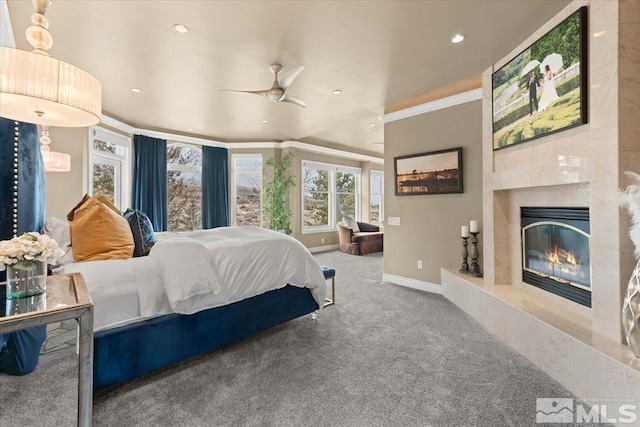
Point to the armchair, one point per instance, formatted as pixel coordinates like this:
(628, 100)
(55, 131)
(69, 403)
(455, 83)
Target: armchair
(367, 240)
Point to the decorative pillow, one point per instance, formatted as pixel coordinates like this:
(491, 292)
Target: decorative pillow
(97, 232)
(142, 230)
(86, 197)
(58, 230)
(351, 223)
(75, 208)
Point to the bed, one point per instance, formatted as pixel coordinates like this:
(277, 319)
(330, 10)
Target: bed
(195, 291)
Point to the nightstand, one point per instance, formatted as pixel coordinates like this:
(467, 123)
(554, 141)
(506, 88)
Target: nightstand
(66, 298)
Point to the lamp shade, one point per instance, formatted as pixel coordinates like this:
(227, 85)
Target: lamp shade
(39, 89)
(56, 162)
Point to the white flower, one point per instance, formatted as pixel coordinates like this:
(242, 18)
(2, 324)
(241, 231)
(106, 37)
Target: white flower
(30, 247)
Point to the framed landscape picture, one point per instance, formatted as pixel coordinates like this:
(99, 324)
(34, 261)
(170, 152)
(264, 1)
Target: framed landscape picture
(544, 89)
(437, 172)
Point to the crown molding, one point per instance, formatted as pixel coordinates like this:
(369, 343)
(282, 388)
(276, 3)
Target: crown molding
(258, 144)
(439, 104)
(331, 151)
(181, 138)
(117, 124)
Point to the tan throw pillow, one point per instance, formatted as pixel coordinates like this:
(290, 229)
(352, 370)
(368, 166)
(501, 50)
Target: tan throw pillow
(103, 199)
(97, 232)
(76, 207)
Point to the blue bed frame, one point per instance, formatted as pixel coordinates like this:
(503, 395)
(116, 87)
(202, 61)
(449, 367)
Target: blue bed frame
(127, 352)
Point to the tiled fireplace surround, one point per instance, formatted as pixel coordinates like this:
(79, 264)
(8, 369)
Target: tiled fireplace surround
(582, 167)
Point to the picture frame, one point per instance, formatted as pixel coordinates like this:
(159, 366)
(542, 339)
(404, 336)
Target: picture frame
(434, 172)
(543, 90)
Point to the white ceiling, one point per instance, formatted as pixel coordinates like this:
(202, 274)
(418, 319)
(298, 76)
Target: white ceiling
(377, 52)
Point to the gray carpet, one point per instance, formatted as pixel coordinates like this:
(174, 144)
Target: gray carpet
(384, 355)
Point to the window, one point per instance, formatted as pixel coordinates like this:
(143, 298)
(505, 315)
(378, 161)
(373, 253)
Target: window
(184, 187)
(247, 189)
(376, 197)
(329, 192)
(345, 195)
(109, 165)
(315, 197)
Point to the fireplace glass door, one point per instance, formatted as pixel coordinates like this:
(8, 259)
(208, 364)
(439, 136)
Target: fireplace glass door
(558, 251)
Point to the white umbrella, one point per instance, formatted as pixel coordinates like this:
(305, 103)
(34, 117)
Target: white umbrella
(530, 66)
(554, 61)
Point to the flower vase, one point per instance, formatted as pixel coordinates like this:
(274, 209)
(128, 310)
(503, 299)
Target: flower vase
(26, 279)
(631, 311)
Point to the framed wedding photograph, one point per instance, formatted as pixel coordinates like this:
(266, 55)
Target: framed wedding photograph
(436, 172)
(543, 90)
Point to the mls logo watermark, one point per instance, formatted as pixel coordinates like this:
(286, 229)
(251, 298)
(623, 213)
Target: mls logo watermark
(554, 410)
(586, 410)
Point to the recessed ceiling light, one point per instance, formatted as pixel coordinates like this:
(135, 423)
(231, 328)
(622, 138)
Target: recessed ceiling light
(136, 90)
(372, 124)
(599, 33)
(190, 128)
(337, 92)
(457, 38)
(265, 121)
(181, 28)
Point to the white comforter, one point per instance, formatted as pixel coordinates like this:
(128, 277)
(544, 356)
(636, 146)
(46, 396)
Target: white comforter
(193, 271)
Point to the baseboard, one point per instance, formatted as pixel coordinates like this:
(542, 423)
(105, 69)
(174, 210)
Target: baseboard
(326, 248)
(412, 283)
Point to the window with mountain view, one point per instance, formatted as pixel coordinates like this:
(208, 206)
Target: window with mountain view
(184, 187)
(247, 189)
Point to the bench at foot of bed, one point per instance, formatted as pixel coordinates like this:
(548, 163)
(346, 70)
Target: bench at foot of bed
(127, 352)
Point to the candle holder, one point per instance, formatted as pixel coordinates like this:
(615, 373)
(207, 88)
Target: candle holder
(464, 269)
(474, 268)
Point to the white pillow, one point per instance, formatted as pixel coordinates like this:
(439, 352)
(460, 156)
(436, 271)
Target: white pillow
(58, 230)
(351, 223)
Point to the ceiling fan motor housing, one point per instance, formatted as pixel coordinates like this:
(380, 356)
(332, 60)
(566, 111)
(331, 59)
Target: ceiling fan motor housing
(275, 94)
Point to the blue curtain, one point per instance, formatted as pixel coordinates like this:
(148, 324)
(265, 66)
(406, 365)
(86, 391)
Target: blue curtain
(215, 187)
(19, 351)
(150, 179)
(31, 185)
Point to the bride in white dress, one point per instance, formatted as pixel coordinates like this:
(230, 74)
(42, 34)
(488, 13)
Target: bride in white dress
(549, 93)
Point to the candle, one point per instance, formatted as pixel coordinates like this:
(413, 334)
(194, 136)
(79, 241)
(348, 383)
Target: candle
(473, 226)
(465, 231)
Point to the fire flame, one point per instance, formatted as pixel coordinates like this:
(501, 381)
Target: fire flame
(560, 256)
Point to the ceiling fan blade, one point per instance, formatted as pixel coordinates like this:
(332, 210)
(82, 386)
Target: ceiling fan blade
(254, 92)
(293, 100)
(287, 78)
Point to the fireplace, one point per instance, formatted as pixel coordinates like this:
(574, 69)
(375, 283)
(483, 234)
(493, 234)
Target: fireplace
(555, 251)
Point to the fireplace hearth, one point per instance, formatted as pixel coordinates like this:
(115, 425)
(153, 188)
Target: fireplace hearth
(556, 251)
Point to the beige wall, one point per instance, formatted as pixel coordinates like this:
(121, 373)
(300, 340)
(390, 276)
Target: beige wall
(65, 189)
(430, 224)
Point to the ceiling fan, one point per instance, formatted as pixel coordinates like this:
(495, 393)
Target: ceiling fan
(277, 93)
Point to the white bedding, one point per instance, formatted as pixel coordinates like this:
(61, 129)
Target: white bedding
(193, 271)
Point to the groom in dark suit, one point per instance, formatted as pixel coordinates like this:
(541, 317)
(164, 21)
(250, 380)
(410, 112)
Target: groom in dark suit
(534, 84)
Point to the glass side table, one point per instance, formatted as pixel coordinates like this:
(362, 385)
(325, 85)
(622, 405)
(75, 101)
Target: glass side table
(66, 298)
